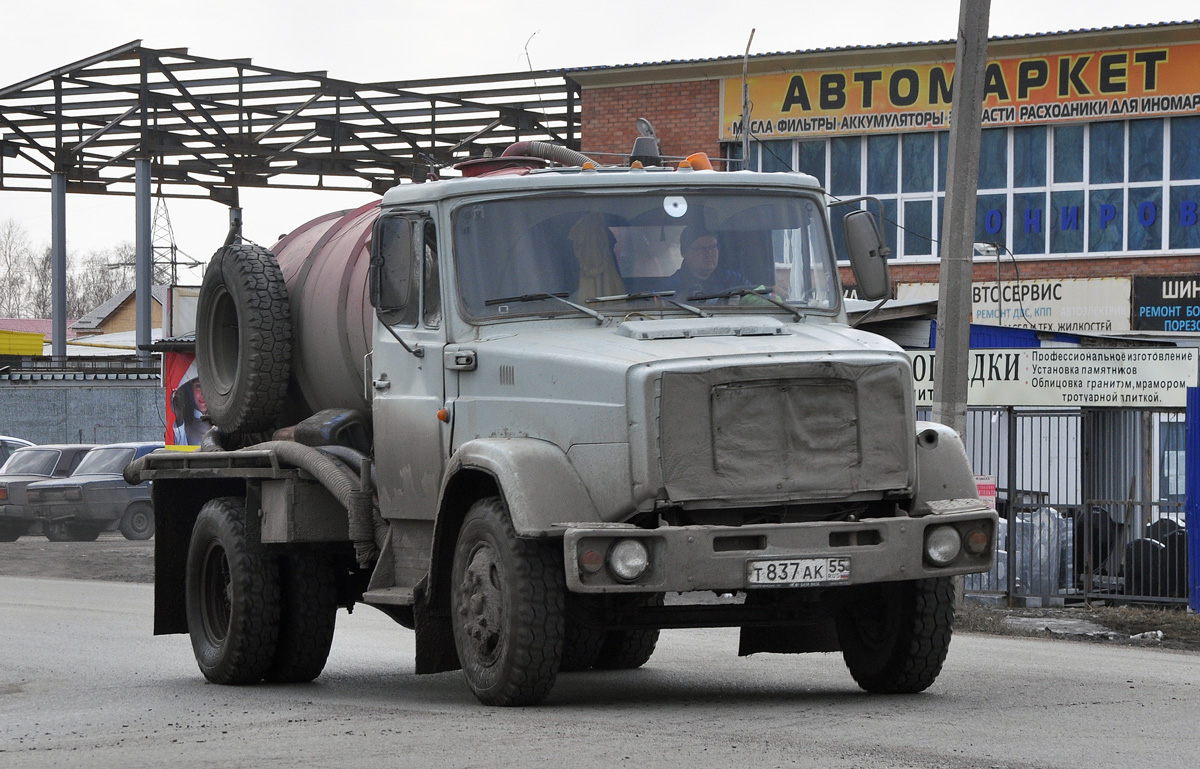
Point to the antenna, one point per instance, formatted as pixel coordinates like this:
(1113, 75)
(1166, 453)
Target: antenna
(746, 105)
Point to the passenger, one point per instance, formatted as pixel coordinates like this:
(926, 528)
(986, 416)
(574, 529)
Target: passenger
(700, 273)
(592, 244)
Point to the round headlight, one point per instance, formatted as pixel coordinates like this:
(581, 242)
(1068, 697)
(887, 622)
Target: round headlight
(976, 541)
(628, 560)
(942, 545)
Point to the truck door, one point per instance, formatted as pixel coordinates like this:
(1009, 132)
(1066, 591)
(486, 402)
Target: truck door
(407, 377)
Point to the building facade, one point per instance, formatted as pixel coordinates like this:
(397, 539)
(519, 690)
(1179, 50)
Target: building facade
(1088, 214)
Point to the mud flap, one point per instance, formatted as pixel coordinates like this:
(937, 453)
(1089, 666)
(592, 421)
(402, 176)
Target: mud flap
(435, 638)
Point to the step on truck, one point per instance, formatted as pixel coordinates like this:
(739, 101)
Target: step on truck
(543, 410)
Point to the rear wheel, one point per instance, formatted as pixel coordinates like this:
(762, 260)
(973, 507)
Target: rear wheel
(629, 649)
(71, 531)
(308, 609)
(895, 635)
(232, 593)
(138, 521)
(507, 606)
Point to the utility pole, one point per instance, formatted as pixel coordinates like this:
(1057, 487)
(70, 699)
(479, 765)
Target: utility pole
(952, 353)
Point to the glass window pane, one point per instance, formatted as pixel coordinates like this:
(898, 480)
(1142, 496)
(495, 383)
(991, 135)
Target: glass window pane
(1068, 154)
(1185, 148)
(1145, 218)
(733, 151)
(882, 154)
(1106, 153)
(1029, 223)
(941, 217)
(993, 159)
(812, 159)
(1185, 213)
(1029, 156)
(845, 170)
(917, 172)
(777, 155)
(836, 214)
(1066, 222)
(990, 211)
(890, 223)
(1145, 150)
(943, 140)
(918, 227)
(1105, 220)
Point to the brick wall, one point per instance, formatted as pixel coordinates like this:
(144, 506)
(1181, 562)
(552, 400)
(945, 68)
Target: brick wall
(686, 117)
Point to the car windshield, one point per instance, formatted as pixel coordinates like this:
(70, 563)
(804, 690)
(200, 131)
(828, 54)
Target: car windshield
(30, 462)
(105, 460)
(630, 249)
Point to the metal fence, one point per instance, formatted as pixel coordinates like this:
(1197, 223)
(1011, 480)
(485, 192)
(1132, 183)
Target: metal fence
(1091, 503)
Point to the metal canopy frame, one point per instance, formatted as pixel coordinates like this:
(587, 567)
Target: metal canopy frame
(210, 126)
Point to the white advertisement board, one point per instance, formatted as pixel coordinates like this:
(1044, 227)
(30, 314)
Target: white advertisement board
(1057, 376)
(1067, 305)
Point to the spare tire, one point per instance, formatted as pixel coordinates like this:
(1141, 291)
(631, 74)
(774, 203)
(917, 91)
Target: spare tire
(243, 339)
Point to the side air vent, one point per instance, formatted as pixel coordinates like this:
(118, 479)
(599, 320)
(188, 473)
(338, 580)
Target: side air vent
(508, 375)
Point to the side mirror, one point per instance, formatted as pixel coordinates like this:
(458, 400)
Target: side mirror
(390, 274)
(868, 254)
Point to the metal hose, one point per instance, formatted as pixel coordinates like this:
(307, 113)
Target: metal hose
(547, 151)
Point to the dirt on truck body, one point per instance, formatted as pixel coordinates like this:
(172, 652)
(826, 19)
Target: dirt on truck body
(514, 410)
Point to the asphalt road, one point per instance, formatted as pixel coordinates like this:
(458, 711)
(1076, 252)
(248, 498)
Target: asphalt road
(83, 683)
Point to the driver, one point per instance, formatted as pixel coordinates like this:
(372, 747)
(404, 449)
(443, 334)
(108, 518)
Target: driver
(699, 273)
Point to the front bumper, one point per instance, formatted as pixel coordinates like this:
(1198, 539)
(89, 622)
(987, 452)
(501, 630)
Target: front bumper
(685, 558)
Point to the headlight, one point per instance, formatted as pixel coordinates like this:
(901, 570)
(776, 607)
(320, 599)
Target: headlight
(942, 545)
(976, 541)
(628, 559)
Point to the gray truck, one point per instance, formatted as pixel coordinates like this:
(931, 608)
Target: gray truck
(543, 410)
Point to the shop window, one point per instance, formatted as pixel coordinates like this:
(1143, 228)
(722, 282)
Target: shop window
(917, 166)
(1106, 153)
(891, 218)
(1068, 154)
(990, 213)
(1029, 156)
(1105, 220)
(1145, 150)
(1065, 221)
(1185, 139)
(845, 167)
(882, 156)
(993, 159)
(918, 227)
(776, 156)
(1029, 223)
(836, 214)
(1185, 216)
(1144, 219)
(943, 142)
(812, 159)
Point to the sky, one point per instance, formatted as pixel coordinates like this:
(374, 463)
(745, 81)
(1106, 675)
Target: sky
(401, 40)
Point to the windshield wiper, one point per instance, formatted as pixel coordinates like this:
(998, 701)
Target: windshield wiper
(545, 295)
(761, 291)
(652, 295)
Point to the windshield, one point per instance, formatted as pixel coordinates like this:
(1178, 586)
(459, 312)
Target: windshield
(515, 256)
(110, 460)
(30, 462)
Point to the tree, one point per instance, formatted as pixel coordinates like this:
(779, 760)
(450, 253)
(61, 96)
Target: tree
(16, 256)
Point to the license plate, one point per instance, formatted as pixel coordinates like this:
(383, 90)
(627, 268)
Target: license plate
(798, 571)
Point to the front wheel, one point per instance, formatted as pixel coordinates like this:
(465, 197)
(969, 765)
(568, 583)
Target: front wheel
(232, 592)
(507, 607)
(895, 635)
(138, 522)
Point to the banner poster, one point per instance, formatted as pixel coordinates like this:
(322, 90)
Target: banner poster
(1064, 305)
(1074, 86)
(1123, 377)
(186, 409)
(1166, 303)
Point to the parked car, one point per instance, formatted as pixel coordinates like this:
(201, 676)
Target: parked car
(95, 497)
(28, 465)
(8, 445)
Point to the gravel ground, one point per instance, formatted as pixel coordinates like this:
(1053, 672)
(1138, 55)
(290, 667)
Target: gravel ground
(116, 559)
